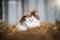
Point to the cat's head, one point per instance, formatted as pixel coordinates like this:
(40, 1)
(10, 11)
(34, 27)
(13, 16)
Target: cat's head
(33, 13)
(32, 19)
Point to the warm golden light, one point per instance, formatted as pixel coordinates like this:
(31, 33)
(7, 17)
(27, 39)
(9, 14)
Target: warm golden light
(58, 2)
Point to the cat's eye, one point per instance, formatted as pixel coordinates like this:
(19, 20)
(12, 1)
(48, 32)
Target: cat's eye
(31, 19)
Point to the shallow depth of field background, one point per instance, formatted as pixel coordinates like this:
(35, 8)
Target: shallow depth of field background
(12, 10)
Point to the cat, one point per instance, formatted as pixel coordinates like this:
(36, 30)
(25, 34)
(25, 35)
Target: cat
(30, 20)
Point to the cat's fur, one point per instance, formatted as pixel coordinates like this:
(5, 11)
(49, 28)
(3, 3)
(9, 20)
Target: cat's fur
(21, 25)
(29, 21)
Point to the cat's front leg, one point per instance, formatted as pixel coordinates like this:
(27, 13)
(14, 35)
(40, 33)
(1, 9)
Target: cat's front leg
(21, 27)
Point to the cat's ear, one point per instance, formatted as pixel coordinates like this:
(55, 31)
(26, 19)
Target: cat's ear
(37, 15)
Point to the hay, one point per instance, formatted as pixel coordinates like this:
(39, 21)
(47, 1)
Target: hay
(45, 32)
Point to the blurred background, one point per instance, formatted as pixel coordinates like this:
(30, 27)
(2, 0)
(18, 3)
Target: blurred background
(12, 10)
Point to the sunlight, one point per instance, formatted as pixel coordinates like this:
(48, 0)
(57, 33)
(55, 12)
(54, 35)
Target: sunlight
(58, 2)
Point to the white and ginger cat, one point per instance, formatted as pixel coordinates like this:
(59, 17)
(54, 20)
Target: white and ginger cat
(31, 20)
